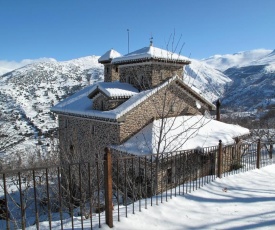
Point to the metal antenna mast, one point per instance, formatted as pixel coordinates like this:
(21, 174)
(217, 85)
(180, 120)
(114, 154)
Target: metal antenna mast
(128, 39)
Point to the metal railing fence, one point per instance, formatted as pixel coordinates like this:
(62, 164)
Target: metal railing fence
(75, 195)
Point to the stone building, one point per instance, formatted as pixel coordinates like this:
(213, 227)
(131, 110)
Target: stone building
(138, 88)
(143, 107)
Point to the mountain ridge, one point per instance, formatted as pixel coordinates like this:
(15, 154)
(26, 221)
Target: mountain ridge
(240, 59)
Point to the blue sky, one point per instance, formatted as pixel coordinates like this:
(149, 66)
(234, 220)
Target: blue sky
(67, 29)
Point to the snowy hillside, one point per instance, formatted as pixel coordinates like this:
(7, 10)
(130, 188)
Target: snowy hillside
(253, 87)
(28, 93)
(8, 66)
(253, 79)
(4, 70)
(210, 81)
(223, 62)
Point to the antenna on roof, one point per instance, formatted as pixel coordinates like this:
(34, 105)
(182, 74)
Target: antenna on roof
(151, 40)
(128, 39)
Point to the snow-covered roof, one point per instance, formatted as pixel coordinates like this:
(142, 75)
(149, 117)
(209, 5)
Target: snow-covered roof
(79, 103)
(109, 55)
(182, 133)
(151, 52)
(113, 89)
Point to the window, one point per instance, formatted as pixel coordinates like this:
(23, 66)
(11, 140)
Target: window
(116, 69)
(107, 69)
(172, 108)
(169, 176)
(66, 124)
(71, 149)
(161, 76)
(102, 105)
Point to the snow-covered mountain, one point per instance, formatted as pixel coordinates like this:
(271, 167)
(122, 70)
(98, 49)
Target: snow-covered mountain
(253, 78)
(27, 94)
(8, 66)
(210, 81)
(240, 59)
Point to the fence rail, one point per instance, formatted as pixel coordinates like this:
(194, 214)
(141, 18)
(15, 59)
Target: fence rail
(80, 193)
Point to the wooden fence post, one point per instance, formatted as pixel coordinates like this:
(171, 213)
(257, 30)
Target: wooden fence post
(218, 110)
(108, 187)
(258, 154)
(220, 160)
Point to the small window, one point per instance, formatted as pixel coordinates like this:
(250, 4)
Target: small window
(66, 124)
(107, 69)
(169, 176)
(116, 69)
(102, 105)
(161, 76)
(71, 149)
(172, 108)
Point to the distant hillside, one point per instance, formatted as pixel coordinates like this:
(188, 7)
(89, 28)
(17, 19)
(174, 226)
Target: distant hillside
(253, 79)
(28, 93)
(210, 81)
(240, 59)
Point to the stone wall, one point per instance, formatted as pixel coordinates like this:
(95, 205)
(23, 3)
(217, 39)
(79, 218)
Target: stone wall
(170, 101)
(103, 103)
(85, 139)
(82, 138)
(111, 72)
(148, 75)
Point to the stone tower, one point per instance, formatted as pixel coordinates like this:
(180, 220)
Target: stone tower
(111, 71)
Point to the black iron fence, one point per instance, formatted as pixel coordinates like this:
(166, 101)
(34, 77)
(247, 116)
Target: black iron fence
(142, 181)
(86, 194)
(52, 195)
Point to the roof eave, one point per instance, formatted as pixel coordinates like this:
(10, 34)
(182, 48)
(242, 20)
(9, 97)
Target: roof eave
(147, 59)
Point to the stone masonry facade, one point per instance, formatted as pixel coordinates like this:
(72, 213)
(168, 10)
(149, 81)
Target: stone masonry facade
(89, 137)
(168, 102)
(148, 75)
(83, 139)
(111, 72)
(103, 103)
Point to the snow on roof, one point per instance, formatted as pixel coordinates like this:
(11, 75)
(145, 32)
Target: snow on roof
(109, 55)
(80, 104)
(151, 52)
(115, 89)
(182, 133)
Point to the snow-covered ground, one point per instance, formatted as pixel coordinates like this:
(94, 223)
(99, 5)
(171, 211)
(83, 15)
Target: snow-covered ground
(240, 201)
